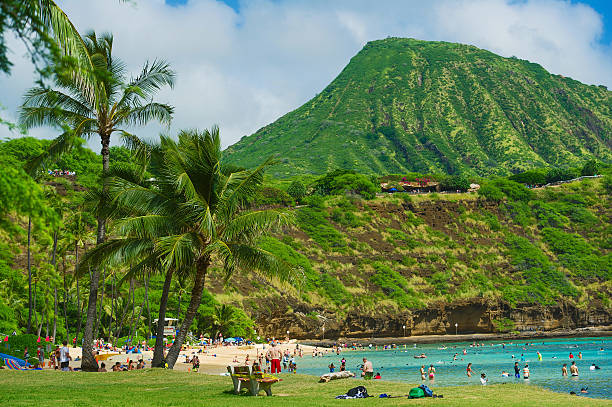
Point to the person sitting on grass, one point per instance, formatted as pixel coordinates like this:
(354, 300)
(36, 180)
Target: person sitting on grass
(141, 364)
(102, 367)
(117, 367)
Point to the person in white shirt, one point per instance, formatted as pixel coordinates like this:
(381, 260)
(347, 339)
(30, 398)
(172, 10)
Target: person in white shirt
(65, 357)
(483, 379)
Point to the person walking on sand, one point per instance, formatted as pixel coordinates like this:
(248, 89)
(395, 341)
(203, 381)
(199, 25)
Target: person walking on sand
(367, 369)
(274, 354)
(423, 377)
(574, 369)
(65, 357)
(564, 370)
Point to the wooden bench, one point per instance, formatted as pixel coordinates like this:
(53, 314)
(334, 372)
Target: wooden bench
(254, 381)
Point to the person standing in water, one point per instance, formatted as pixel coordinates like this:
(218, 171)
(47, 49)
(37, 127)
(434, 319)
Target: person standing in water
(468, 370)
(526, 372)
(423, 372)
(517, 370)
(564, 370)
(539, 356)
(432, 372)
(574, 369)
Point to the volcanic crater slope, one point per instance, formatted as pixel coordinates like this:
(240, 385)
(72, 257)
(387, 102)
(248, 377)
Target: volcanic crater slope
(407, 105)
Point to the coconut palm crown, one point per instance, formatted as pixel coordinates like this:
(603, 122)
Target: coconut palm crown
(94, 97)
(191, 217)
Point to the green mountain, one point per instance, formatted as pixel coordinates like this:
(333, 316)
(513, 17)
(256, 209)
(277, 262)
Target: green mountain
(406, 105)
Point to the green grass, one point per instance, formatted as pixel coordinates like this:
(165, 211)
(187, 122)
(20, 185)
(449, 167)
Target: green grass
(169, 388)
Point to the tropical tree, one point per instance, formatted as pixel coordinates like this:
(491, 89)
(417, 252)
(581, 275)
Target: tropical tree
(96, 99)
(192, 218)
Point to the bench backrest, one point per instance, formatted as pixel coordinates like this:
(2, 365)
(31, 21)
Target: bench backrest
(242, 370)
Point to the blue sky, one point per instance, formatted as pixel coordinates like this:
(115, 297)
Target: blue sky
(603, 7)
(241, 64)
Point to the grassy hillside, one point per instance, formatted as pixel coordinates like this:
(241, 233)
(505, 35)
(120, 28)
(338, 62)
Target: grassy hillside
(406, 105)
(529, 259)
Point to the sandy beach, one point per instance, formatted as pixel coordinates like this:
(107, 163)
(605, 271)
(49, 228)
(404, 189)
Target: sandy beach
(213, 360)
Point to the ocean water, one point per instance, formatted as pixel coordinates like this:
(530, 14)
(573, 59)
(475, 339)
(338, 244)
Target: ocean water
(491, 359)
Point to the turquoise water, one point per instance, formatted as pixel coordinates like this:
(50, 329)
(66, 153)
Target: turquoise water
(491, 359)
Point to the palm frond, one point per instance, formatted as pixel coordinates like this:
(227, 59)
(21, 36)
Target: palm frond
(141, 115)
(247, 258)
(251, 225)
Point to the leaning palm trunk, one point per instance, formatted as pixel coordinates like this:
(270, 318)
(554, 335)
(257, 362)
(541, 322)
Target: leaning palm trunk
(89, 362)
(192, 310)
(158, 352)
(29, 277)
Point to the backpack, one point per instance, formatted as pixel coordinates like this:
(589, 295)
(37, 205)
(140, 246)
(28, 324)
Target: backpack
(359, 392)
(426, 390)
(416, 393)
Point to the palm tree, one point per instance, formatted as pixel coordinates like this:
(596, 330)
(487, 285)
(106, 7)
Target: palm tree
(96, 99)
(192, 218)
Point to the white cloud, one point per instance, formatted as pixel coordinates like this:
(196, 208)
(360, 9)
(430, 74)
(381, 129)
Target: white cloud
(242, 71)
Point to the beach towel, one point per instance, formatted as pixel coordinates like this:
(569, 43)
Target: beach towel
(11, 364)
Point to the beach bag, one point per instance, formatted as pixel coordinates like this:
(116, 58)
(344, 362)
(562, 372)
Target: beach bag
(426, 390)
(416, 393)
(358, 392)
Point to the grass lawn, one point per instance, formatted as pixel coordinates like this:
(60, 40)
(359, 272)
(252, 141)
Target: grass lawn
(169, 388)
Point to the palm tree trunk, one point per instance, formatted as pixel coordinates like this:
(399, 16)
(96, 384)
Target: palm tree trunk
(65, 299)
(29, 277)
(89, 363)
(194, 303)
(55, 287)
(99, 319)
(113, 321)
(132, 289)
(148, 308)
(54, 312)
(80, 309)
(158, 352)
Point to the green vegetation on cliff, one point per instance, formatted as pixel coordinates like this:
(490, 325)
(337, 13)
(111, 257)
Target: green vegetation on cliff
(406, 105)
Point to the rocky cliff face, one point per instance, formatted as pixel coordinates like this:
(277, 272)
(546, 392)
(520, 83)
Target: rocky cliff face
(470, 316)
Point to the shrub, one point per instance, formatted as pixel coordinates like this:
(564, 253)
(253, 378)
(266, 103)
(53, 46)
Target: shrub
(356, 184)
(531, 177)
(455, 183)
(313, 222)
(577, 255)
(590, 168)
(541, 275)
(332, 288)
(491, 193)
(272, 196)
(297, 190)
(395, 286)
(503, 324)
(548, 215)
(560, 174)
